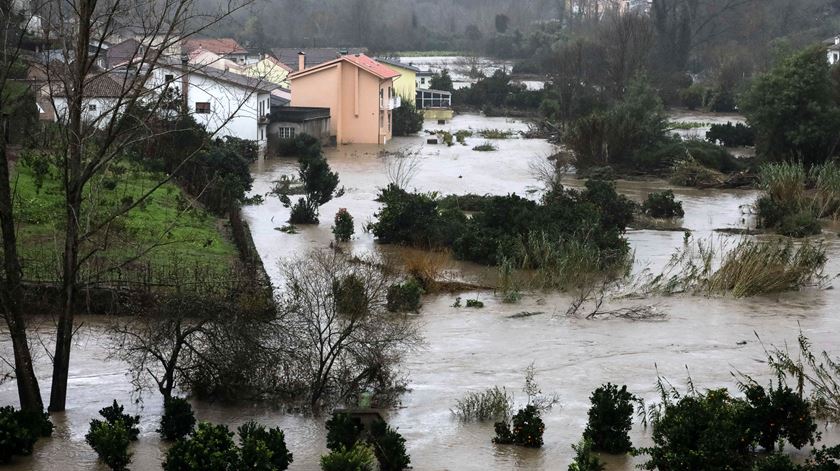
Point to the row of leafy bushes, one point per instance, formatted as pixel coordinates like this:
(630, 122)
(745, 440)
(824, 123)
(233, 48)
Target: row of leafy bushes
(352, 447)
(509, 227)
(731, 135)
(206, 447)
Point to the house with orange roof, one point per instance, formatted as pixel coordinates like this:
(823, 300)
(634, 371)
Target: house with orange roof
(358, 91)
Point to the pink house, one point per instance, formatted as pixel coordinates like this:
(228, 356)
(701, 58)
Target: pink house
(358, 91)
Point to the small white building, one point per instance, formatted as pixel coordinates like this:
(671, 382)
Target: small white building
(834, 50)
(226, 103)
(102, 94)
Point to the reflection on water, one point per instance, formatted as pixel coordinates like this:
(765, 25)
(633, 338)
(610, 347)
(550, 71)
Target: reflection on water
(474, 349)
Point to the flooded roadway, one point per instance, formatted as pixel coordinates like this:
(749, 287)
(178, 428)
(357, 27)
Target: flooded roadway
(469, 350)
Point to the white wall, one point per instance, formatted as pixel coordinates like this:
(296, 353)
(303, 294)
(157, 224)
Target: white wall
(234, 109)
(101, 115)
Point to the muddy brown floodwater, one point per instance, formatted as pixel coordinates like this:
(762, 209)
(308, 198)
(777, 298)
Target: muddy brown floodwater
(469, 350)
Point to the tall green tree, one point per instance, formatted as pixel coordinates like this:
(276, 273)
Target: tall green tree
(794, 109)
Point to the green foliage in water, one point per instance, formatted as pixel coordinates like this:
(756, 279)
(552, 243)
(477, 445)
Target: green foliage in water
(662, 205)
(115, 413)
(209, 447)
(780, 414)
(20, 430)
(485, 147)
(389, 447)
(263, 449)
(320, 183)
(610, 419)
(343, 229)
(359, 457)
(178, 419)
(110, 440)
(526, 429)
(731, 135)
(528, 233)
(405, 296)
(343, 431)
(475, 303)
(491, 404)
(585, 459)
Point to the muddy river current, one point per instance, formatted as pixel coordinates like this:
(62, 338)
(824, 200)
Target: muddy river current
(470, 350)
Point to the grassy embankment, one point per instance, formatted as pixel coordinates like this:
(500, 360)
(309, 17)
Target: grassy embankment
(165, 233)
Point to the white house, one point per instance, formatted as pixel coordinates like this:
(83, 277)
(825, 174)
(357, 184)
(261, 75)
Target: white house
(226, 103)
(833, 50)
(102, 93)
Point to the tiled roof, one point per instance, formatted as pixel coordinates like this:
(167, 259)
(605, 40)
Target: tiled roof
(227, 76)
(97, 86)
(221, 46)
(360, 60)
(397, 63)
(314, 56)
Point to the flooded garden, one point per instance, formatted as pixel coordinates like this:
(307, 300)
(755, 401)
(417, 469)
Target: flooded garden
(711, 338)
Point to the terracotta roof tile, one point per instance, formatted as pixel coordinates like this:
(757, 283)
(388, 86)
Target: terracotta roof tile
(221, 46)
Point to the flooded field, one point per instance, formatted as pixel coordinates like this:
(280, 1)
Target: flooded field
(459, 68)
(469, 350)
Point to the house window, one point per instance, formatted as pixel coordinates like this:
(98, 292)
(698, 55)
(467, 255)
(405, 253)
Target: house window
(286, 133)
(202, 107)
(381, 119)
(261, 134)
(390, 120)
(423, 80)
(169, 77)
(91, 107)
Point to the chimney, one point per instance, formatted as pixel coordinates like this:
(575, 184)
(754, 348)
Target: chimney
(301, 61)
(837, 39)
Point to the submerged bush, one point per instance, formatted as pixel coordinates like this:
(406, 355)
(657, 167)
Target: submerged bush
(209, 447)
(343, 228)
(359, 457)
(526, 429)
(610, 419)
(780, 414)
(343, 431)
(404, 297)
(662, 205)
(492, 404)
(110, 440)
(389, 447)
(114, 413)
(20, 430)
(737, 135)
(585, 459)
(263, 449)
(701, 431)
(178, 419)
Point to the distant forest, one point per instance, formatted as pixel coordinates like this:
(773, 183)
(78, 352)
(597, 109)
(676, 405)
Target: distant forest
(501, 27)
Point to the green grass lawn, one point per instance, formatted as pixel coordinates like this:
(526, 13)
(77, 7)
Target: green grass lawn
(166, 231)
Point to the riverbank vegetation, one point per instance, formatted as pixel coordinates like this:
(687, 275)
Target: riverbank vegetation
(795, 198)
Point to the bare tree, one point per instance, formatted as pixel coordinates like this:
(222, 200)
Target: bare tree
(13, 28)
(88, 147)
(401, 166)
(337, 332)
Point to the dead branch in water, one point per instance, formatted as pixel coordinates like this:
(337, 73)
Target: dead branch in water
(596, 293)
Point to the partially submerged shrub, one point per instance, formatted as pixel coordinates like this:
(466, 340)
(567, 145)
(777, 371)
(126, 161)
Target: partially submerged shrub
(779, 414)
(114, 413)
(343, 228)
(526, 429)
(737, 135)
(491, 404)
(585, 459)
(610, 419)
(389, 447)
(475, 303)
(178, 419)
(360, 457)
(209, 447)
(691, 173)
(19, 430)
(263, 449)
(404, 297)
(485, 147)
(662, 205)
(110, 440)
(343, 431)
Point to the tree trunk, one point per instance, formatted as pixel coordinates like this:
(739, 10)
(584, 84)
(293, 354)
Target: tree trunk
(11, 292)
(74, 183)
